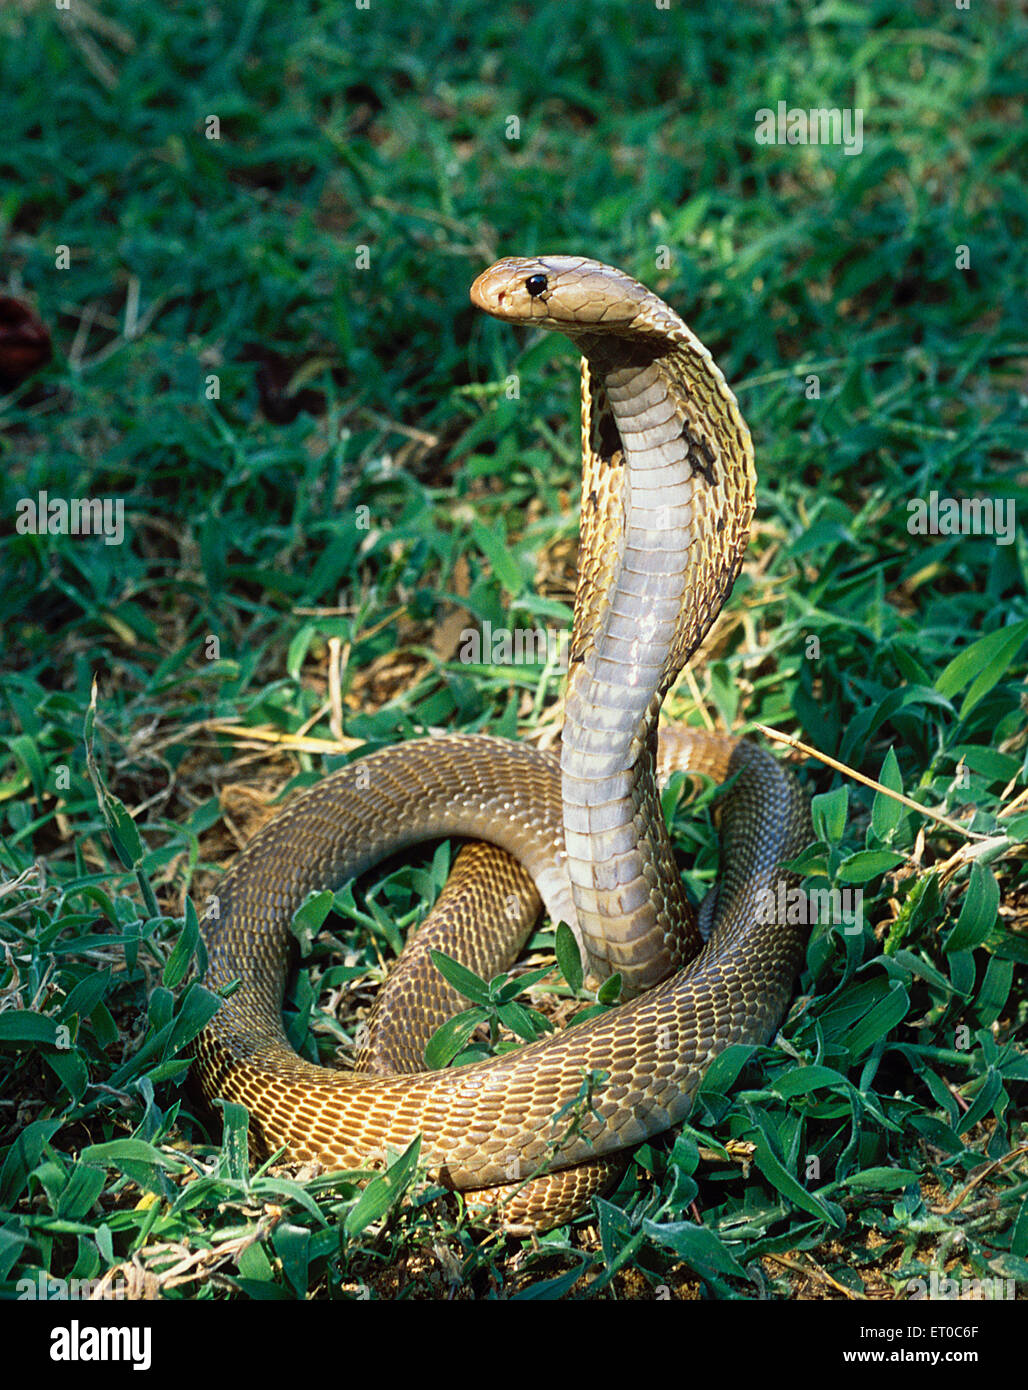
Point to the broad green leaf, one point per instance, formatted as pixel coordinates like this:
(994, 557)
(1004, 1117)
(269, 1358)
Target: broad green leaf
(700, 1248)
(885, 1015)
(446, 1042)
(922, 969)
(254, 1265)
(518, 984)
(136, 1160)
(984, 1102)
(721, 1075)
(961, 972)
(13, 1240)
(309, 918)
(829, 814)
(70, 1070)
(547, 1290)
(83, 998)
(800, 1080)
(584, 1015)
(781, 1179)
(383, 1192)
(85, 1184)
(616, 1238)
(933, 1129)
(505, 567)
(984, 663)
(24, 1026)
(115, 1152)
(978, 911)
(883, 1178)
(235, 1145)
(197, 1009)
(1019, 1233)
(1015, 829)
(887, 813)
(185, 946)
(121, 828)
(987, 762)
(867, 864)
(27, 752)
(293, 1245)
(569, 957)
(525, 1023)
(1007, 946)
(995, 990)
(463, 980)
(610, 991)
(176, 1069)
(298, 649)
(22, 1157)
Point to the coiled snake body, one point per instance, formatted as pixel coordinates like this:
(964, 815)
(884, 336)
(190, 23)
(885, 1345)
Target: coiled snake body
(668, 489)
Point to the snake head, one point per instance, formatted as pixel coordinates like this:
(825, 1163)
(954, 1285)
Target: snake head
(567, 293)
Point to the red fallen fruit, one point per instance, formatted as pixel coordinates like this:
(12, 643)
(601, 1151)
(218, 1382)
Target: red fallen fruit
(24, 342)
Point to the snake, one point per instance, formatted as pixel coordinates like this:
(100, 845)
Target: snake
(529, 1136)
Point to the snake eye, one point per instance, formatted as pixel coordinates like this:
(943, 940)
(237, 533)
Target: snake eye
(536, 285)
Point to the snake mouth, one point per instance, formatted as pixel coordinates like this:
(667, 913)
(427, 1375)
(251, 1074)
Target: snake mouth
(489, 292)
(516, 288)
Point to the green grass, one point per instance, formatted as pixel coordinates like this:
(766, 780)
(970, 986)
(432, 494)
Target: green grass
(885, 1138)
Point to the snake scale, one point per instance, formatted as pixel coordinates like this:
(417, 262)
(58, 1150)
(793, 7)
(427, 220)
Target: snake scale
(667, 499)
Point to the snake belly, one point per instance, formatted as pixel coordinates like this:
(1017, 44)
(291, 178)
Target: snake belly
(668, 489)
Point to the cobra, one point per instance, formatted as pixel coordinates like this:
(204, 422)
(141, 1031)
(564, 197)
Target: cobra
(667, 499)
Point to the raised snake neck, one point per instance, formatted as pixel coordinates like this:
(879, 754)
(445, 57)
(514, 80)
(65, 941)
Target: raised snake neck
(668, 489)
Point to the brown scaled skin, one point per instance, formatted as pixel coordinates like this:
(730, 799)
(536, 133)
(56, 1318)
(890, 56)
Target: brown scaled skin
(588, 830)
